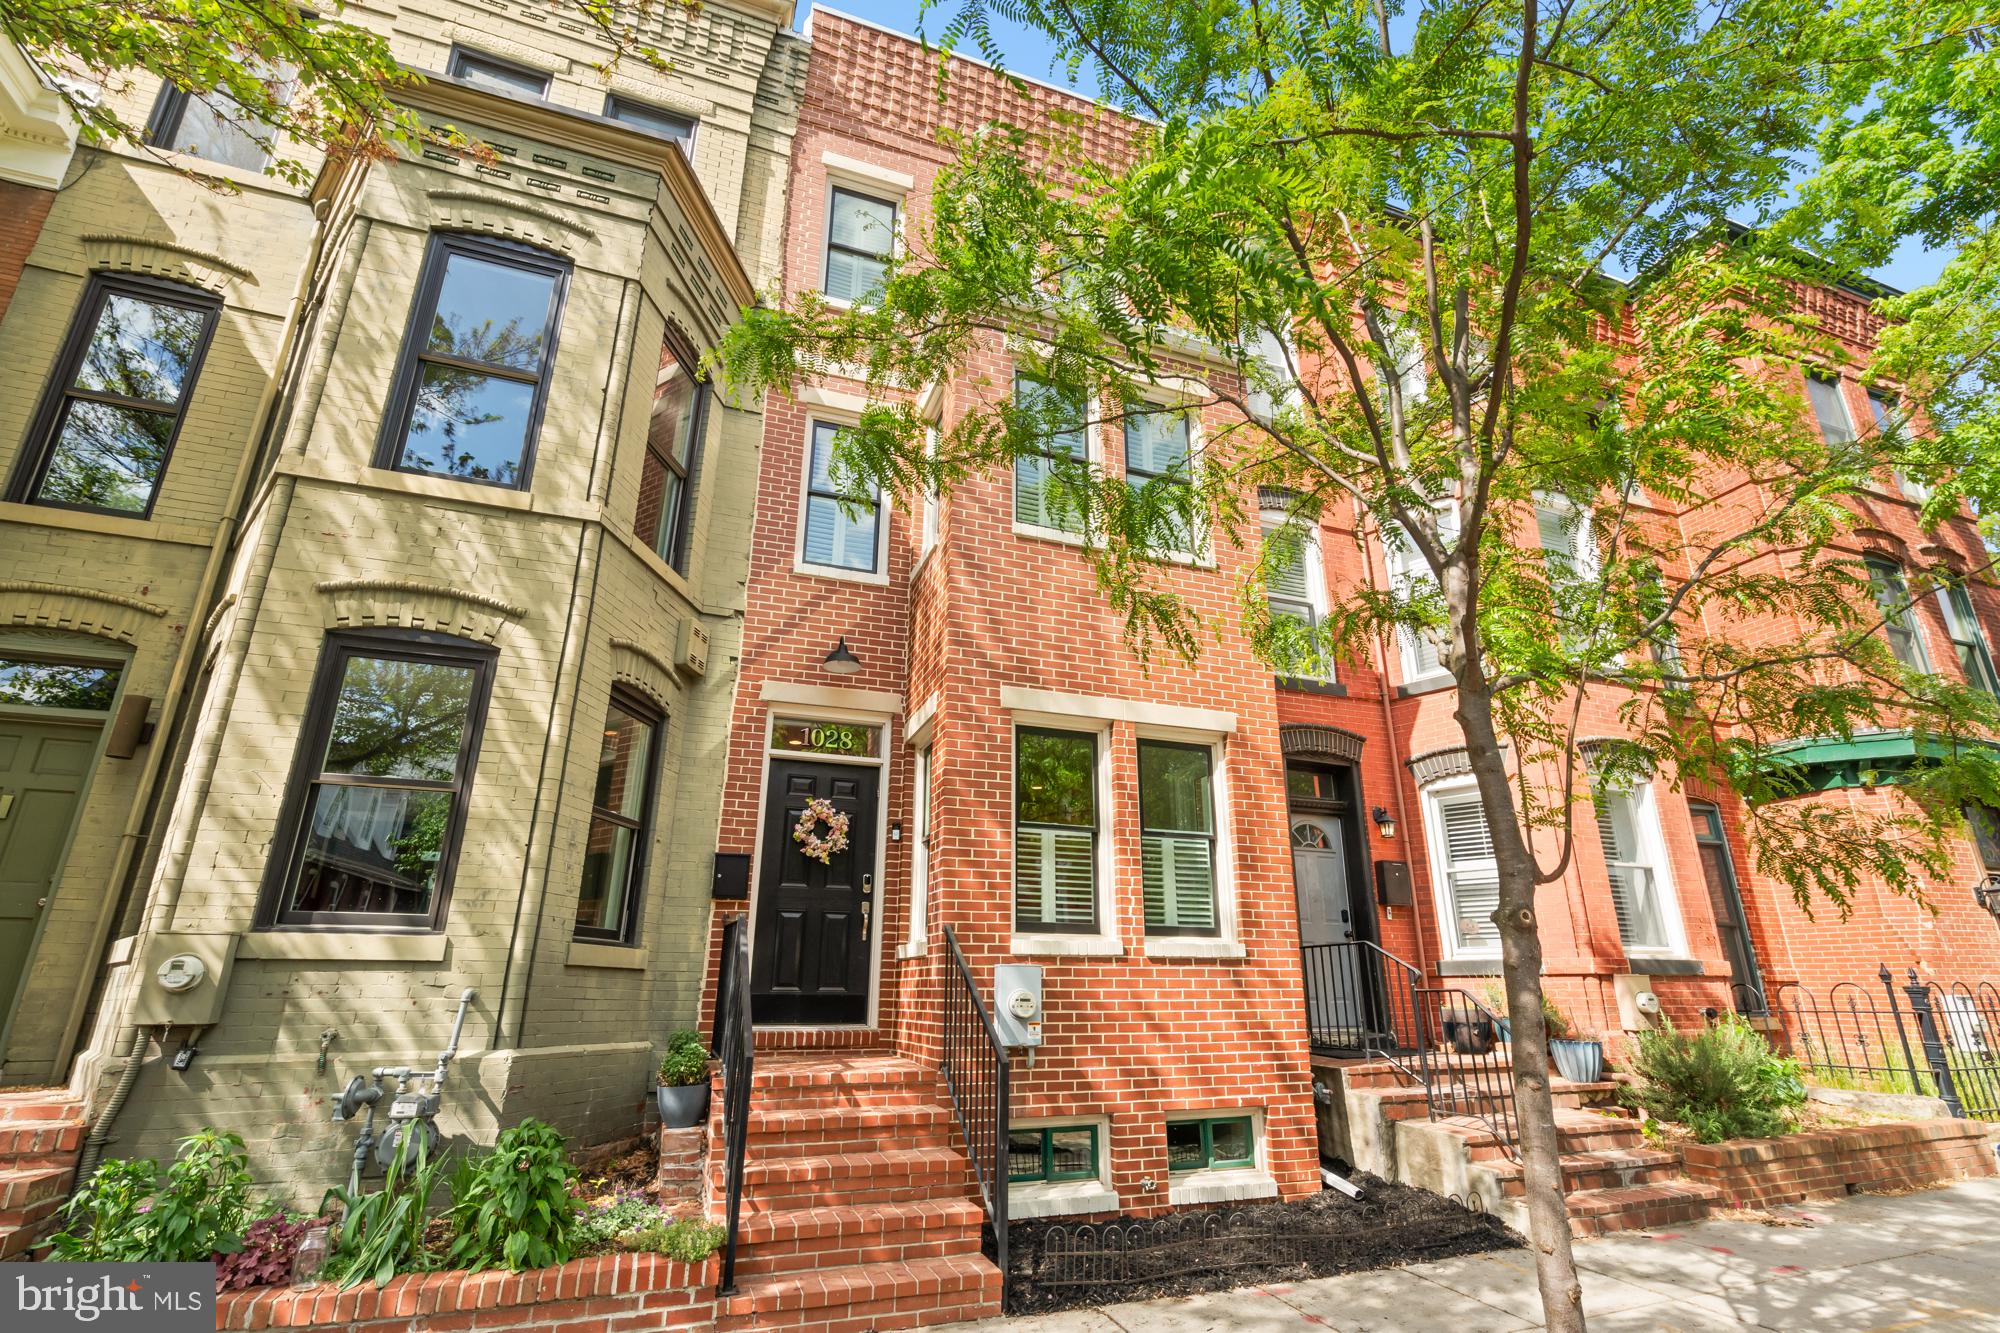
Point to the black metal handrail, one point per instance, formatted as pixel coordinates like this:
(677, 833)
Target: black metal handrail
(1468, 1070)
(975, 1069)
(735, 1048)
(1360, 1000)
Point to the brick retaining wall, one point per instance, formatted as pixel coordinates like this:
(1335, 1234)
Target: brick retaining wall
(618, 1293)
(1761, 1173)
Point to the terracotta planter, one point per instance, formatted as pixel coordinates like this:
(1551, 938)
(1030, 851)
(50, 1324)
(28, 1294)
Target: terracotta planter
(683, 1107)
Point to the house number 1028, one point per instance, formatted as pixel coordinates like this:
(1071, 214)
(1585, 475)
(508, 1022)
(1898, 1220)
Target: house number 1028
(826, 738)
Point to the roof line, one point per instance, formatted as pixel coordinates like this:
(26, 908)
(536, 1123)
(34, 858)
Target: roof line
(1049, 84)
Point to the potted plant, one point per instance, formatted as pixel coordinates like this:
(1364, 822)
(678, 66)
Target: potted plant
(1468, 1029)
(1494, 996)
(684, 1080)
(1578, 1059)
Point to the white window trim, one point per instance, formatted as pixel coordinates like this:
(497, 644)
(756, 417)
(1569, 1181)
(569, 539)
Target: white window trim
(1439, 856)
(1182, 394)
(1586, 562)
(845, 173)
(821, 415)
(1106, 941)
(1838, 382)
(1402, 570)
(1317, 594)
(1652, 842)
(1093, 459)
(920, 853)
(927, 503)
(1065, 1198)
(1227, 942)
(1226, 1183)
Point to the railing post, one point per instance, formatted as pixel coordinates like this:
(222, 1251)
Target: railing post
(1888, 979)
(1000, 1173)
(1934, 1051)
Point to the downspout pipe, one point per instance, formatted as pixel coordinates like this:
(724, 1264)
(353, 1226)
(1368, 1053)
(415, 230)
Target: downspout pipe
(1361, 528)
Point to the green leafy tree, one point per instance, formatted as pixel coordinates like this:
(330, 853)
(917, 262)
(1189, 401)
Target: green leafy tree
(1381, 257)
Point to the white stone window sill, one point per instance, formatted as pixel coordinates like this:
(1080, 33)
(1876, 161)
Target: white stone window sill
(1220, 1186)
(1192, 946)
(589, 953)
(1429, 680)
(1040, 533)
(332, 946)
(805, 567)
(909, 951)
(1070, 946)
(1060, 1198)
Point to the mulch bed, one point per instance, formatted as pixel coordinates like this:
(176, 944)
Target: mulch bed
(1057, 1265)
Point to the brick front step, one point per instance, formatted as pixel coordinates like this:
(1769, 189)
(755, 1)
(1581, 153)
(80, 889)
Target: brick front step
(22, 1187)
(1609, 1168)
(867, 1296)
(832, 1237)
(1578, 1132)
(24, 1229)
(38, 1142)
(896, 1175)
(831, 1074)
(1640, 1207)
(38, 1106)
(809, 1131)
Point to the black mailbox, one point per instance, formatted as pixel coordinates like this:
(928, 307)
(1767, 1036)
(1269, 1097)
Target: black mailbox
(732, 875)
(1392, 884)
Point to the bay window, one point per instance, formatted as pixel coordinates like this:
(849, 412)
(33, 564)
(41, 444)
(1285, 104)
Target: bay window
(1899, 616)
(621, 822)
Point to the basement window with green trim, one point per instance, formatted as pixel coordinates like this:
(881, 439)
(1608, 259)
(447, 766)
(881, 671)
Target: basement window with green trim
(1217, 1142)
(1052, 1152)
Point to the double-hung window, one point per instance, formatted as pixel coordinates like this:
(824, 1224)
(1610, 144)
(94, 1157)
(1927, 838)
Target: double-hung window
(840, 530)
(673, 445)
(655, 120)
(474, 376)
(1899, 616)
(1961, 624)
(1052, 1153)
(1635, 886)
(1159, 462)
(621, 823)
(1888, 414)
(1567, 544)
(495, 75)
(1211, 1143)
(1045, 493)
(110, 415)
(1829, 406)
(1985, 822)
(1055, 830)
(213, 126)
(860, 243)
(1469, 871)
(1297, 600)
(1177, 837)
(376, 805)
(1409, 576)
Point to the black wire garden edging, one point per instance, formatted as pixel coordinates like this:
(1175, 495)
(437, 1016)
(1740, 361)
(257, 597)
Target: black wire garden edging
(1060, 1265)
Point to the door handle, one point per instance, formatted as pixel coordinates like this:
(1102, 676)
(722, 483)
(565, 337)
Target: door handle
(864, 923)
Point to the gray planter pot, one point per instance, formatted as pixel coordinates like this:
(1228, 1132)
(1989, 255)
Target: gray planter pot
(1578, 1061)
(684, 1107)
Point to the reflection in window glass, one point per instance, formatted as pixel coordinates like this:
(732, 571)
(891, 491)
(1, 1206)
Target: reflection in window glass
(1223, 1142)
(1157, 463)
(666, 124)
(489, 323)
(379, 812)
(1899, 617)
(1056, 1153)
(673, 435)
(121, 401)
(1055, 830)
(85, 685)
(213, 126)
(614, 858)
(840, 529)
(496, 75)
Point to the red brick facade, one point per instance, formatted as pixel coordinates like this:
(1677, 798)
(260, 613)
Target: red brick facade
(23, 209)
(988, 628)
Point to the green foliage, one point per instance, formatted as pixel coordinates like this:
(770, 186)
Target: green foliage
(686, 1060)
(382, 1231)
(512, 1207)
(1723, 1081)
(126, 1211)
(597, 1228)
(688, 1240)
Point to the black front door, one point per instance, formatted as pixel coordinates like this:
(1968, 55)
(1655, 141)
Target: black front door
(815, 921)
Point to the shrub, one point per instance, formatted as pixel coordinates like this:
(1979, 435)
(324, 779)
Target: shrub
(126, 1211)
(686, 1060)
(382, 1231)
(513, 1207)
(688, 1240)
(1723, 1082)
(269, 1247)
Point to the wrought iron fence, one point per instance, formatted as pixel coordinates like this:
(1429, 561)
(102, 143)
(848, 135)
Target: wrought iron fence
(1929, 1038)
(975, 1069)
(735, 1047)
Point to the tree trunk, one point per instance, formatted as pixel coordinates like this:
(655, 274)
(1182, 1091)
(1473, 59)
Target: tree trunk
(1521, 961)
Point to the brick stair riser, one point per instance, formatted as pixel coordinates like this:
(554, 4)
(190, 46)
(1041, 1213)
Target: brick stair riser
(1677, 1212)
(29, 1143)
(791, 1196)
(806, 1256)
(902, 1304)
(27, 1188)
(21, 1229)
(792, 1136)
(1578, 1179)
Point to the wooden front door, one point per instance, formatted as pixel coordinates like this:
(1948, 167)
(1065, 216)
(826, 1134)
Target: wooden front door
(43, 767)
(815, 922)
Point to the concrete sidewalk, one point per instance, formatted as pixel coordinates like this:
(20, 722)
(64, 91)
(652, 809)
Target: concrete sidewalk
(1928, 1262)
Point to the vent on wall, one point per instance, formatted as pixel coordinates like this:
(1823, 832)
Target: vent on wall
(691, 648)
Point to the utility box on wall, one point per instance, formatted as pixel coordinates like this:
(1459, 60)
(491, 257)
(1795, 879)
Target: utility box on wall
(1392, 884)
(182, 979)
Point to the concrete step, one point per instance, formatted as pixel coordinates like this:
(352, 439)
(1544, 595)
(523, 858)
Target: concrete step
(833, 1237)
(894, 1175)
(867, 1296)
(1640, 1207)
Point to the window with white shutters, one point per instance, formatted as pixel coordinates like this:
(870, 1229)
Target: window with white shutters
(1635, 888)
(1177, 837)
(1564, 531)
(1041, 499)
(1055, 830)
(1471, 874)
(1159, 464)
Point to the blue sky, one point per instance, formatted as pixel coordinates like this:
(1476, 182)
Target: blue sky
(1028, 53)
